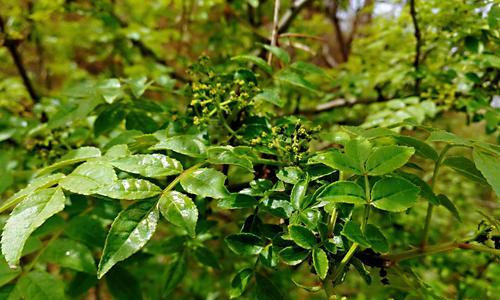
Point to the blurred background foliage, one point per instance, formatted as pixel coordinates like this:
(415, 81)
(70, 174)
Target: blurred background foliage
(95, 72)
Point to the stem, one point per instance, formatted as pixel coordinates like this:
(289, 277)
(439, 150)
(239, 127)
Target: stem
(445, 247)
(274, 35)
(172, 184)
(344, 261)
(366, 213)
(418, 45)
(430, 207)
(331, 223)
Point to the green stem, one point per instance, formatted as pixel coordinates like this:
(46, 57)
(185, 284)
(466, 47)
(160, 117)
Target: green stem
(332, 221)
(344, 261)
(430, 207)
(186, 172)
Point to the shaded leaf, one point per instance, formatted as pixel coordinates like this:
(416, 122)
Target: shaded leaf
(489, 165)
(240, 282)
(302, 236)
(449, 205)
(72, 157)
(38, 285)
(352, 231)
(376, 238)
(244, 243)
(465, 167)
(266, 289)
(293, 255)
(70, 254)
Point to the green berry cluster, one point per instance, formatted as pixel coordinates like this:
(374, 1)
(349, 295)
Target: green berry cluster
(289, 141)
(221, 96)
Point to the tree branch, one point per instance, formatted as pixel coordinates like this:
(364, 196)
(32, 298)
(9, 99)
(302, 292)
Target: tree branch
(418, 45)
(291, 14)
(274, 35)
(11, 45)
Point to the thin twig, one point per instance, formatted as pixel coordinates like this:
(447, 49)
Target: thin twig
(11, 45)
(418, 45)
(274, 35)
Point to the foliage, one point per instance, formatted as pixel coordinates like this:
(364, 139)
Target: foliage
(250, 174)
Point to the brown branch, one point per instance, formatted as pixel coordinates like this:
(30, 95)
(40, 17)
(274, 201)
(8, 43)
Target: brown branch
(291, 14)
(274, 35)
(331, 12)
(418, 45)
(11, 45)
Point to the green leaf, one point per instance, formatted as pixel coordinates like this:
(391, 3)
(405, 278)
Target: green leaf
(149, 165)
(320, 262)
(279, 53)
(38, 285)
(270, 95)
(259, 62)
(293, 255)
(376, 238)
(206, 257)
(338, 160)
(240, 282)
(205, 182)
(394, 194)
(447, 137)
(70, 254)
(129, 189)
(130, 231)
(27, 216)
(449, 205)
(244, 243)
(123, 285)
(36, 184)
(179, 210)
(72, 157)
(108, 120)
(235, 201)
(386, 159)
(352, 231)
(6, 273)
(422, 148)
(140, 120)
(87, 178)
(425, 189)
(308, 68)
(109, 89)
(294, 80)
(138, 85)
(174, 274)
(489, 165)
(465, 167)
(266, 289)
(290, 175)
(302, 236)
(189, 145)
(358, 150)
(343, 192)
(227, 155)
(298, 194)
